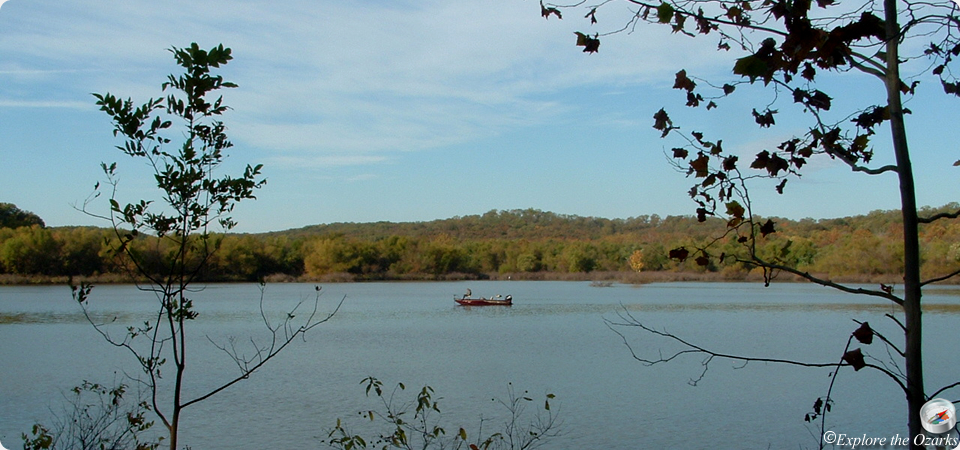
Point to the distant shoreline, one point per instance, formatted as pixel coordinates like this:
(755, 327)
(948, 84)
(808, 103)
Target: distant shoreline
(600, 277)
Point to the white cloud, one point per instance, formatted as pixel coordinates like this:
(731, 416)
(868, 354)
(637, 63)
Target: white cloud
(323, 79)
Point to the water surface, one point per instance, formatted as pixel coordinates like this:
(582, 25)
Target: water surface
(555, 338)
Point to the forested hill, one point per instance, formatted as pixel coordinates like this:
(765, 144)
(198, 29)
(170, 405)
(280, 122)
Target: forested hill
(520, 243)
(512, 224)
(533, 224)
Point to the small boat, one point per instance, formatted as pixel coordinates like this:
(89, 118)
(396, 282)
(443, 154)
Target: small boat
(498, 300)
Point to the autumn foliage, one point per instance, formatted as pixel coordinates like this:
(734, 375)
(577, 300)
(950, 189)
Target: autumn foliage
(498, 242)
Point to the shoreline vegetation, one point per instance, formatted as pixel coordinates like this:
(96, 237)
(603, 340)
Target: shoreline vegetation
(597, 279)
(498, 245)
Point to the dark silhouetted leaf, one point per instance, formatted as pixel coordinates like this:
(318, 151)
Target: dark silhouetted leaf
(662, 122)
(683, 82)
(767, 228)
(855, 359)
(546, 12)
(780, 186)
(776, 165)
(703, 260)
(730, 163)
(751, 67)
(819, 100)
(763, 158)
(701, 215)
(765, 120)
(701, 165)
(665, 12)
(864, 334)
(735, 210)
(592, 15)
(589, 44)
(869, 119)
(679, 254)
(680, 153)
(709, 181)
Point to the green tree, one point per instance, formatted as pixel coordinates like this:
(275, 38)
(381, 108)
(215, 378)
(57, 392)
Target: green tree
(31, 251)
(13, 217)
(193, 201)
(82, 249)
(793, 48)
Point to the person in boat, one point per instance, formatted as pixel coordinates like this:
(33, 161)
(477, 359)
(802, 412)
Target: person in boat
(469, 293)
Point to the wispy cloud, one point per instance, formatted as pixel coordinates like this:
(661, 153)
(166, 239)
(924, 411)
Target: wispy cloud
(43, 104)
(335, 77)
(324, 161)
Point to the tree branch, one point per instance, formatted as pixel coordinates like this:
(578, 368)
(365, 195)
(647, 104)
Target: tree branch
(941, 278)
(939, 216)
(949, 386)
(277, 344)
(827, 283)
(631, 321)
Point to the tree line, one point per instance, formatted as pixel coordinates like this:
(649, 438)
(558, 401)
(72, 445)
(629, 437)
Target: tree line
(521, 242)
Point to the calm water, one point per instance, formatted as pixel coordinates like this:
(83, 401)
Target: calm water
(553, 339)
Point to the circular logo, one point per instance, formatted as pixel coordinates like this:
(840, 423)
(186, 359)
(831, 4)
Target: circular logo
(938, 416)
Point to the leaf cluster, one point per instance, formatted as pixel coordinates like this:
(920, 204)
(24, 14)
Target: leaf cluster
(418, 424)
(194, 197)
(95, 417)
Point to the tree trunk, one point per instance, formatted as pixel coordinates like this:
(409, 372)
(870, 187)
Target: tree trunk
(911, 242)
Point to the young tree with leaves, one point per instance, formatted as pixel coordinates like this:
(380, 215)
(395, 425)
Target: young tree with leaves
(193, 201)
(792, 48)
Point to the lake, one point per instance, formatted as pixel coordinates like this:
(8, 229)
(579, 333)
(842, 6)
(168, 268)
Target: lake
(553, 339)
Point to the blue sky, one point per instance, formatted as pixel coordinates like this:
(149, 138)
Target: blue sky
(408, 111)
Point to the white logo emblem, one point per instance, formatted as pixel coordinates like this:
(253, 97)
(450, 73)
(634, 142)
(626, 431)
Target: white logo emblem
(938, 416)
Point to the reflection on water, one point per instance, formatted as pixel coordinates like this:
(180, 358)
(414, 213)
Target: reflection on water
(52, 317)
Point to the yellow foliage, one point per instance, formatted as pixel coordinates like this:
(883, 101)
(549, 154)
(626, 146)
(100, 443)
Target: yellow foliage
(636, 260)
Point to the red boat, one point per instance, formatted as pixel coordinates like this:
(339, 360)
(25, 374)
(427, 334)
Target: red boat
(467, 301)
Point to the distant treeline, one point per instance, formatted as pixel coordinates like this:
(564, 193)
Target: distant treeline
(521, 242)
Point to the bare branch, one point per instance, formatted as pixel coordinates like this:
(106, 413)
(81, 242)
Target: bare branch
(823, 282)
(941, 278)
(936, 217)
(276, 345)
(689, 348)
(939, 391)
